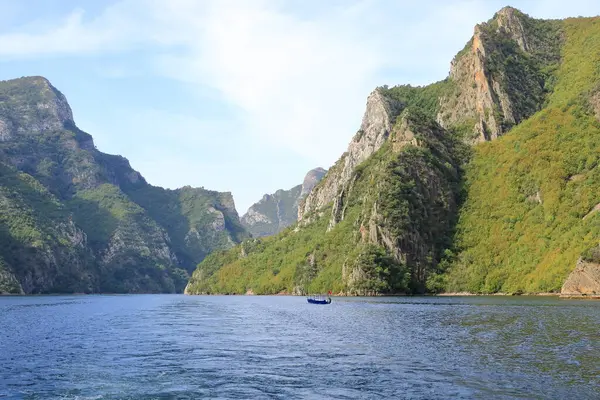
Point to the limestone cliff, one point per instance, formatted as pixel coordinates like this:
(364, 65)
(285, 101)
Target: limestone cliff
(375, 128)
(583, 281)
(501, 77)
(418, 202)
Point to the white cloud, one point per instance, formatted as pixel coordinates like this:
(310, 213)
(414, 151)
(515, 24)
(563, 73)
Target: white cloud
(299, 83)
(295, 81)
(296, 74)
(69, 36)
(302, 83)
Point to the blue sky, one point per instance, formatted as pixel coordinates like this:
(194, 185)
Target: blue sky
(242, 96)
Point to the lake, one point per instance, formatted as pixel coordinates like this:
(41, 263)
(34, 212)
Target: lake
(281, 347)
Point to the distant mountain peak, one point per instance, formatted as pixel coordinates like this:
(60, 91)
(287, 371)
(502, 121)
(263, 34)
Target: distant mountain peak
(31, 105)
(311, 179)
(276, 211)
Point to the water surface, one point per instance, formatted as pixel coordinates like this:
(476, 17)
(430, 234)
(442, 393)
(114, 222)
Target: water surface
(184, 347)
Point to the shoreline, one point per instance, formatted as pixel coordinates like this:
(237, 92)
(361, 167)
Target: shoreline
(566, 296)
(457, 294)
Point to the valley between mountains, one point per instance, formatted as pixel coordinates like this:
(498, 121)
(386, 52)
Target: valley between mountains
(485, 182)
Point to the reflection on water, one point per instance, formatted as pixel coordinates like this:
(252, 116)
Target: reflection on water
(173, 346)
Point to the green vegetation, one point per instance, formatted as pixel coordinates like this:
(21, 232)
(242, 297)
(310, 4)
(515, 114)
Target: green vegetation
(592, 255)
(522, 226)
(73, 219)
(401, 191)
(34, 228)
(185, 213)
(425, 99)
(425, 213)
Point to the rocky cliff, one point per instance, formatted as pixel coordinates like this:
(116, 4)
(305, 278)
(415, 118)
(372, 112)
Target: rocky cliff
(502, 76)
(374, 131)
(277, 211)
(486, 181)
(73, 219)
(392, 223)
(583, 281)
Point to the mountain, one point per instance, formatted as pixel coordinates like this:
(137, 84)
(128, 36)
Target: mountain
(487, 181)
(73, 219)
(276, 211)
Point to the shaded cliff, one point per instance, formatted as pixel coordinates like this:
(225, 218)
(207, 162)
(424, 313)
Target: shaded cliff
(73, 219)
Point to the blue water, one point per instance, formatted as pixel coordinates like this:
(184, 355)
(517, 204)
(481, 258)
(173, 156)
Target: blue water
(184, 347)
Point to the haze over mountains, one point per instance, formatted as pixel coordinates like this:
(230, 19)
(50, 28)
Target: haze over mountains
(277, 211)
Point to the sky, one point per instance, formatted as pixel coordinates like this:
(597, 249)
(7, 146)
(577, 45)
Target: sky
(240, 96)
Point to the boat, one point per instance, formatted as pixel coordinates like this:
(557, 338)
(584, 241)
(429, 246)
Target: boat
(319, 299)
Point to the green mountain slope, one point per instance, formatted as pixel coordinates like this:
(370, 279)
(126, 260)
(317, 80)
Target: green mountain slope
(38, 236)
(486, 181)
(404, 197)
(524, 223)
(74, 219)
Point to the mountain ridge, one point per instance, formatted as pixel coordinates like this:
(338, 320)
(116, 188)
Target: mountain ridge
(275, 212)
(442, 187)
(75, 219)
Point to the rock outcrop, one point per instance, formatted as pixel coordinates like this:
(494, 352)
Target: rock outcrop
(376, 126)
(583, 281)
(498, 77)
(37, 106)
(312, 178)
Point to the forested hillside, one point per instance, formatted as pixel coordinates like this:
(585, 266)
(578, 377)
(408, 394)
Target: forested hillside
(73, 219)
(486, 182)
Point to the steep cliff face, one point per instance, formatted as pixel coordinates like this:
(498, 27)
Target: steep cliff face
(583, 281)
(275, 212)
(529, 210)
(394, 218)
(74, 219)
(376, 125)
(502, 76)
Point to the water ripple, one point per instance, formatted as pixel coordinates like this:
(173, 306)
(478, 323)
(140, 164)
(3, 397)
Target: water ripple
(179, 347)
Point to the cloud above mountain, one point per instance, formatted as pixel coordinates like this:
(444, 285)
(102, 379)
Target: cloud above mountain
(291, 76)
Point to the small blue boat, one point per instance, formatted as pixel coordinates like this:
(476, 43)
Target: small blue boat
(319, 299)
